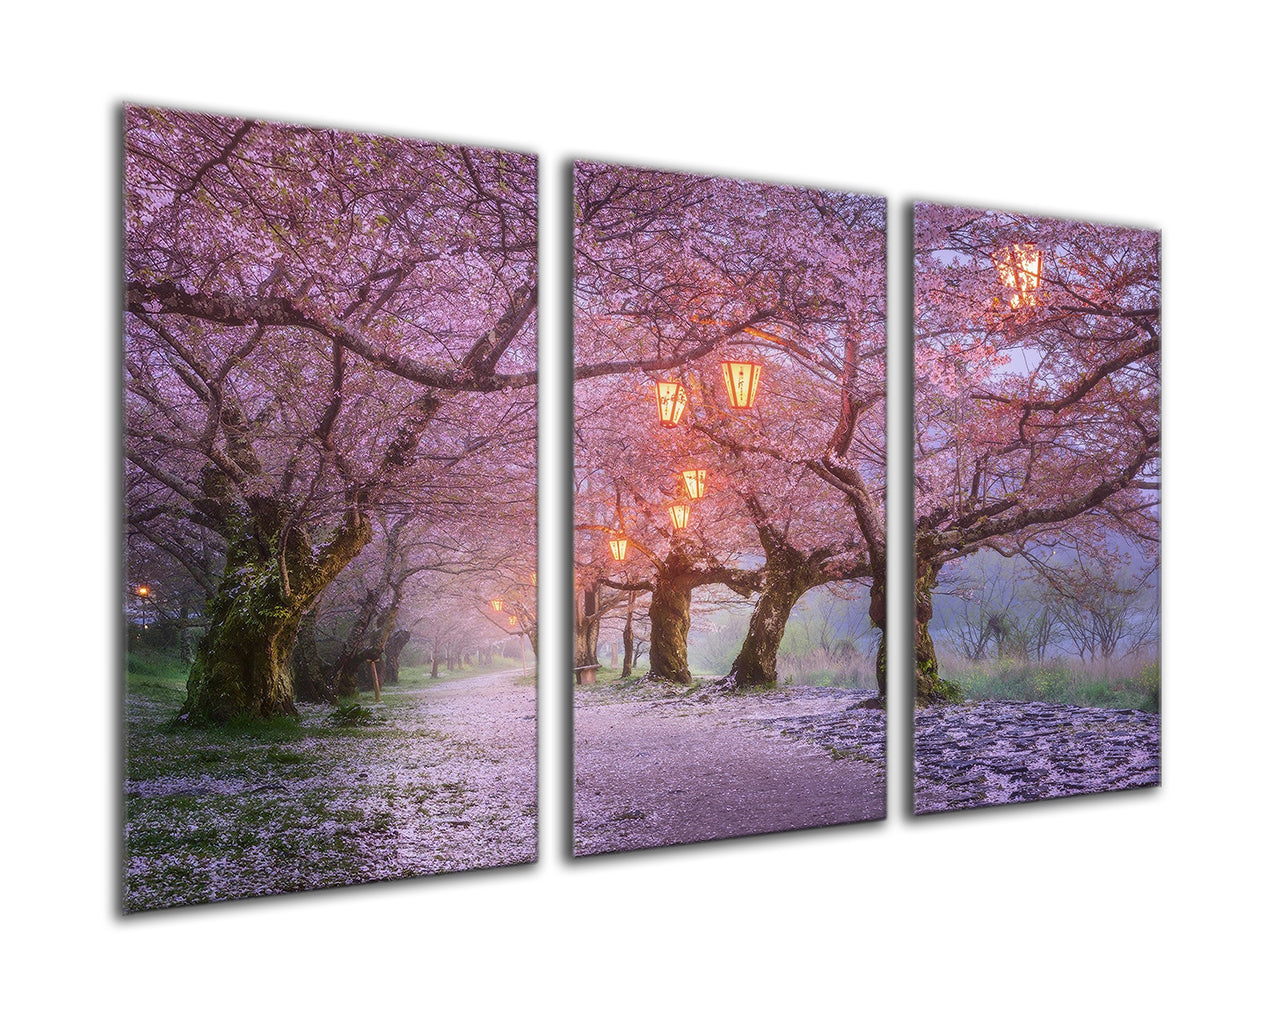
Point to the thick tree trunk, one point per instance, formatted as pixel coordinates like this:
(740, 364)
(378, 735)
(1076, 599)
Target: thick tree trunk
(243, 664)
(930, 687)
(669, 619)
(242, 668)
(391, 656)
(756, 665)
(309, 680)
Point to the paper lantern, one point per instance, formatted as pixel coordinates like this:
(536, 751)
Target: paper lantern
(672, 399)
(618, 547)
(695, 482)
(1019, 269)
(496, 604)
(679, 515)
(741, 380)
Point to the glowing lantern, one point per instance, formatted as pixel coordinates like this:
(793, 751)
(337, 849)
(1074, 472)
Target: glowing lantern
(695, 482)
(143, 591)
(679, 515)
(496, 604)
(672, 399)
(1019, 269)
(512, 620)
(742, 380)
(533, 577)
(618, 547)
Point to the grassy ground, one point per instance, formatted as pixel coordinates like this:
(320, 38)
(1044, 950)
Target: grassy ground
(1114, 686)
(293, 804)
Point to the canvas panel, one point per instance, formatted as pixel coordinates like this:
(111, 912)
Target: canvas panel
(330, 490)
(1037, 506)
(729, 476)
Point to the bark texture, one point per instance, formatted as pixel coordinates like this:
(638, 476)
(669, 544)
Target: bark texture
(787, 576)
(243, 664)
(391, 656)
(310, 682)
(669, 618)
(587, 633)
(931, 688)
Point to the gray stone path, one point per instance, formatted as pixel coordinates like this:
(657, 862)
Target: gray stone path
(987, 753)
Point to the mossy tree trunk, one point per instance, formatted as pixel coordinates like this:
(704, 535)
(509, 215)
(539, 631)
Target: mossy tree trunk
(670, 614)
(788, 575)
(310, 683)
(879, 619)
(243, 664)
(930, 686)
(391, 656)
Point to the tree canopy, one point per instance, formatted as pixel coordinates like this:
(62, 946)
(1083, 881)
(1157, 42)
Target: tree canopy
(675, 275)
(324, 331)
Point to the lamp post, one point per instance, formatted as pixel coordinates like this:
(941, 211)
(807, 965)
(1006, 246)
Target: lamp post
(144, 593)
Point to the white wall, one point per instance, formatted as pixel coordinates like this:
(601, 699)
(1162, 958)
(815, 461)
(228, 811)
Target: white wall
(1137, 903)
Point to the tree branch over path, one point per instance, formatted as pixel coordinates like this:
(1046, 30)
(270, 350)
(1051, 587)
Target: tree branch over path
(166, 297)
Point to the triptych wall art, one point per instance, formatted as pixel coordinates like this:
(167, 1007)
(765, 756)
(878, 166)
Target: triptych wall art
(330, 487)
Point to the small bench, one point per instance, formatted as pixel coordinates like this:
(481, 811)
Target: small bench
(587, 674)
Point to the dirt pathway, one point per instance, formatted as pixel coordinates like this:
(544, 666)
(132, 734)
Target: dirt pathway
(671, 771)
(463, 766)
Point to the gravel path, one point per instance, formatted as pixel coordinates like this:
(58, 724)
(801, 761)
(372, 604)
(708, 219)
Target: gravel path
(988, 753)
(661, 770)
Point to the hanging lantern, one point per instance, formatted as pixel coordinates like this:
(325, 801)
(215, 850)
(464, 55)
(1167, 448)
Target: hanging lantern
(512, 620)
(618, 547)
(695, 482)
(1019, 269)
(679, 515)
(143, 591)
(742, 380)
(672, 398)
(533, 577)
(496, 604)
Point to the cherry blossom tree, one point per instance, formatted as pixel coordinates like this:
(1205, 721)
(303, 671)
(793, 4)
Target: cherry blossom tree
(1037, 406)
(676, 274)
(318, 326)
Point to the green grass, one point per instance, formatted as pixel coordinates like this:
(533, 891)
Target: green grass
(157, 677)
(1119, 686)
(218, 812)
